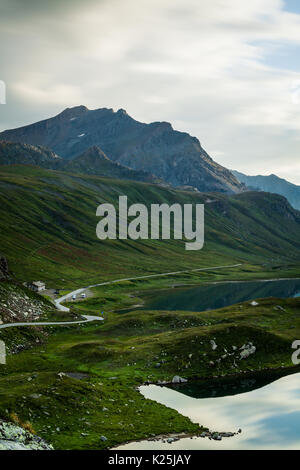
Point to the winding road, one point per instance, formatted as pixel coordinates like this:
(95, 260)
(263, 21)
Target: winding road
(90, 318)
(59, 301)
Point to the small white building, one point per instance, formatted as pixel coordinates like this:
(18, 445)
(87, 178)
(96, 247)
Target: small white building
(37, 286)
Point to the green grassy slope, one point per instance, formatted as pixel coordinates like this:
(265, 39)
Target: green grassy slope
(48, 228)
(120, 354)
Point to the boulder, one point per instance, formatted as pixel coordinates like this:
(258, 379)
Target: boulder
(247, 350)
(178, 380)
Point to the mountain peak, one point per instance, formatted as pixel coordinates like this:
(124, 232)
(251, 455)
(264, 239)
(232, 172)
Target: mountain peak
(73, 112)
(93, 152)
(122, 112)
(154, 148)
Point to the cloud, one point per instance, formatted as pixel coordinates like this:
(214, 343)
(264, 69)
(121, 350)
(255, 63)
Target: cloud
(201, 65)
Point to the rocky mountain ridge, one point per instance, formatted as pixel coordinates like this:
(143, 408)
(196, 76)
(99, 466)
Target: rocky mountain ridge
(12, 153)
(155, 148)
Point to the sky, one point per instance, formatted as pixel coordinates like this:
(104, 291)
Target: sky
(225, 71)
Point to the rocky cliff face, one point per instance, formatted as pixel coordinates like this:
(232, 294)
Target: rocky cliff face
(155, 148)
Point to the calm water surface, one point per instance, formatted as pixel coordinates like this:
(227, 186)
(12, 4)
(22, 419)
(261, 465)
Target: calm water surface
(268, 416)
(267, 413)
(218, 295)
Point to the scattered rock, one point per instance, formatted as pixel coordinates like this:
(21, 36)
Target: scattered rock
(281, 309)
(227, 434)
(178, 380)
(247, 350)
(216, 437)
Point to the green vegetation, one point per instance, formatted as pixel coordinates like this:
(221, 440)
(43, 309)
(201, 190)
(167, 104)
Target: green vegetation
(74, 384)
(48, 229)
(105, 363)
(125, 295)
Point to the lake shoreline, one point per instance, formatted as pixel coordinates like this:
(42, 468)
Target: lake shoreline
(242, 374)
(205, 432)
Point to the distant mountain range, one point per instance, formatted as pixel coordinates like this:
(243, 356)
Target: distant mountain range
(272, 184)
(154, 149)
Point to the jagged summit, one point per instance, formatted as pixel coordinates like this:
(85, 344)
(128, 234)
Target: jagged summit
(122, 112)
(73, 112)
(156, 148)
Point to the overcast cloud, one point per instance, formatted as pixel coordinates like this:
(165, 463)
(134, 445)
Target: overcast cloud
(225, 71)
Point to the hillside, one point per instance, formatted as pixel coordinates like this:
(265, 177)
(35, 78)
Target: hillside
(155, 148)
(83, 384)
(4, 272)
(48, 228)
(272, 184)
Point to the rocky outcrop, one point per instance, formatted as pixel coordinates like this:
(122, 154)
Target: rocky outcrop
(156, 148)
(13, 437)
